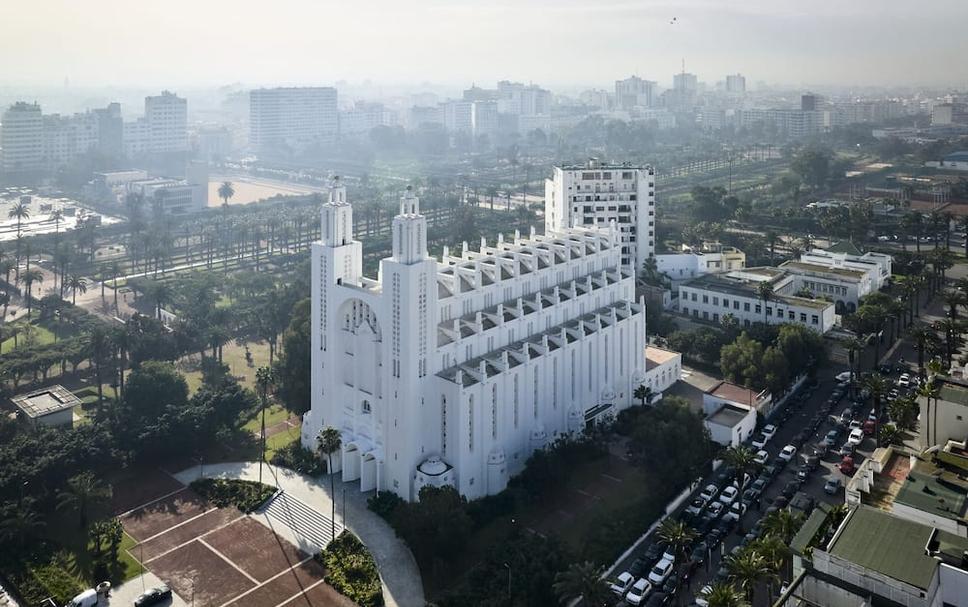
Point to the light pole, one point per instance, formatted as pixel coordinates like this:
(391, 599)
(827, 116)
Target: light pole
(508, 567)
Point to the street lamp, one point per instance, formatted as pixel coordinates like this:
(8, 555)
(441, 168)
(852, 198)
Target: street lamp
(508, 567)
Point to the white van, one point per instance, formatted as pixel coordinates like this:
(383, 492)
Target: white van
(88, 598)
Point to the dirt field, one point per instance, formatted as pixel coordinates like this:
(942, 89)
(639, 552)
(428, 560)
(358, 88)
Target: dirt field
(247, 191)
(221, 557)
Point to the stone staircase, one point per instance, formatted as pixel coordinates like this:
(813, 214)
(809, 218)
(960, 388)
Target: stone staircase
(307, 524)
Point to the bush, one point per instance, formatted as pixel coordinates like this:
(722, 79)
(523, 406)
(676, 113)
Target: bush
(350, 569)
(244, 495)
(385, 504)
(296, 457)
(47, 579)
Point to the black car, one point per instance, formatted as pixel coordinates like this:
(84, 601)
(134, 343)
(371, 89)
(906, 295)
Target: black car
(790, 489)
(639, 567)
(671, 584)
(658, 599)
(653, 552)
(153, 596)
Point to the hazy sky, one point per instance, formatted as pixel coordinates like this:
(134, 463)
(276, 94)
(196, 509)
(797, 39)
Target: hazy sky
(552, 42)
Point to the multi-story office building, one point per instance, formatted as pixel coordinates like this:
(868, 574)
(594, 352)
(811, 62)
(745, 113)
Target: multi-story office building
(110, 126)
(458, 116)
(69, 137)
(421, 115)
(685, 82)
(22, 140)
(635, 92)
(162, 130)
(713, 296)
(523, 100)
(453, 371)
(790, 122)
(736, 84)
(596, 194)
(363, 118)
(292, 119)
(485, 118)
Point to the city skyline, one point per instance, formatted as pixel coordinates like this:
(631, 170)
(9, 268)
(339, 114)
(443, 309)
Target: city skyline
(861, 44)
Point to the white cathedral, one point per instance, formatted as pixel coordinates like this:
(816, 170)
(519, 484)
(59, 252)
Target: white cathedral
(455, 371)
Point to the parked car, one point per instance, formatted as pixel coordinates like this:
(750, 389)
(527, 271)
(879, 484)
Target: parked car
(847, 466)
(904, 381)
(869, 428)
(831, 439)
(709, 492)
(696, 506)
(856, 437)
(803, 473)
(736, 511)
(658, 599)
(846, 449)
(845, 376)
(832, 485)
(639, 591)
(759, 441)
(660, 572)
(728, 496)
(714, 510)
(621, 584)
(761, 457)
(153, 596)
(769, 431)
(787, 453)
(820, 449)
(790, 489)
(89, 598)
(872, 416)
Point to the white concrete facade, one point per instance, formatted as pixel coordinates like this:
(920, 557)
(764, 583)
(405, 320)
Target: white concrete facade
(679, 267)
(713, 296)
(292, 118)
(596, 194)
(22, 139)
(454, 371)
(844, 286)
(878, 266)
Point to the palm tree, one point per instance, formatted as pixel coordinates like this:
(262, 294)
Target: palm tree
(113, 270)
(878, 386)
(677, 535)
(56, 216)
(644, 394)
(226, 191)
(783, 523)
(22, 523)
(28, 278)
(743, 461)
(746, 569)
(953, 299)
(582, 580)
(951, 329)
(765, 292)
(890, 435)
(265, 379)
(776, 554)
(74, 284)
(328, 441)
(20, 211)
(4, 301)
(83, 491)
(930, 390)
(921, 335)
(100, 346)
(724, 594)
(903, 412)
(854, 346)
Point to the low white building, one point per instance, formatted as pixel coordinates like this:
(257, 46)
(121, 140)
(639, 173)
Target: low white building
(730, 425)
(52, 406)
(662, 369)
(877, 266)
(946, 417)
(713, 296)
(692, 262)
(844, 286)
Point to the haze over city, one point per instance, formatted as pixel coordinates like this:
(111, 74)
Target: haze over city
(182, 43)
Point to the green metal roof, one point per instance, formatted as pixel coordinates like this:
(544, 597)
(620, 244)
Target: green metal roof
(942, 495)
(805, 536)
(892, 546)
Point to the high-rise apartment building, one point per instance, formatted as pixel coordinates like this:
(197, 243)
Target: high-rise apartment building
(635, 92)
(486, 119)
(69, 137)
(523, 100)
(736, 84)
(22, 140)
(596, 194)
(162, 130)
(685, 82)
(454, 371)
(293, 118)
(458, 116)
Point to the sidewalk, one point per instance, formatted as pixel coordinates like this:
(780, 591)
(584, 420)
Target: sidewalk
(402, 585)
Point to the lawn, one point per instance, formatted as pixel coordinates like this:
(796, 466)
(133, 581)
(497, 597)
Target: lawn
(281, 440)
(233, 355)
(42, 337)
(274, 415)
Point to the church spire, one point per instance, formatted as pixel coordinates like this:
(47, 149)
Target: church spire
(409, 230)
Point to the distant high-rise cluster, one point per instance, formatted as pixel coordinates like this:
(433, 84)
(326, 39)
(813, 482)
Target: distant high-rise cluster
(292, 119)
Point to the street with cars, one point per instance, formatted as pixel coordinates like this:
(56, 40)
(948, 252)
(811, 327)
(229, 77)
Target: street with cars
(806, 451)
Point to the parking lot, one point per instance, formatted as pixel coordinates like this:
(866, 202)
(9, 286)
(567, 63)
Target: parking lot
(804, 423)
(219, 557)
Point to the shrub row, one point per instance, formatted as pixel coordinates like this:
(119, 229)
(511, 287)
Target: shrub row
(296, 457)
(244, 495)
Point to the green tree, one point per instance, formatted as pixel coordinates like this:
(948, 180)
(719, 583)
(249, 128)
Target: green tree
(225, 192)
(644, 394)
(724, 594)
(746, 569)
(75, 284)
(329, 441)
(783, 524)
(742, 460)
(813, 165)
(582, 580)
(29, 278)
(19, 211)
(265, 379)
(677, 535)
(292, 365)
(84, 491)
(741, 361)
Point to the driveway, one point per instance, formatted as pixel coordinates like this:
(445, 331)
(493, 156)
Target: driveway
(402, 585)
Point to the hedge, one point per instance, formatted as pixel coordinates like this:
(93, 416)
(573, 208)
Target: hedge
(296, 457)
(244, 495)
(350, 569)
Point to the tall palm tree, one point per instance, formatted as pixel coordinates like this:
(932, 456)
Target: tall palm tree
(76, 283)
(775, 553)
(951, 329)
(265, 379)
(56, 216)
(746, 569)
(783, 523)
(19, 211)
(83, 492)
(100, 348)
(854, 347)
(743, 461)
(226, 191)
(765, 292)
(582, 580)
(28, 279)
(678, 536)
(878, 386)
(953, 299)
(930, 390)
(922, 336)
(328, 441)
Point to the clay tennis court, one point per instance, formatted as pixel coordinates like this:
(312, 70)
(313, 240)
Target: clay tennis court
(223, 556)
